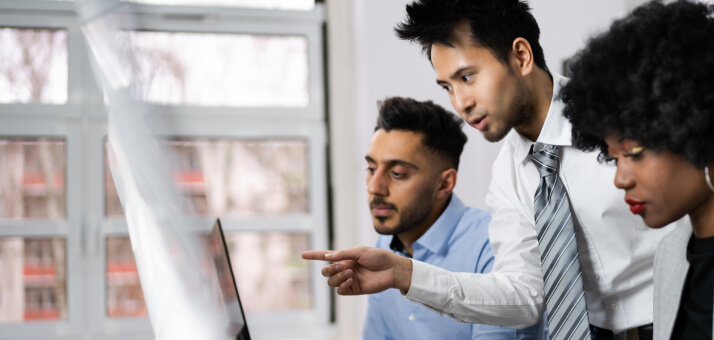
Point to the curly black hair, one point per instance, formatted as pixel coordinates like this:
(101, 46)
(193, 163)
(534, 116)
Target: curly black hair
(494, 25)
(441, 128)
(649, 78)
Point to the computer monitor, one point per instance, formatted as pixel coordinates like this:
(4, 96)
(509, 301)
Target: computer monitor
(218, 248)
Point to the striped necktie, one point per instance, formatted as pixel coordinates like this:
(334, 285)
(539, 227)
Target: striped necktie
(564, 295)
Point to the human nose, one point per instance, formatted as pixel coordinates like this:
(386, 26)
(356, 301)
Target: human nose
(462, 101)
(376, 184)
(623, 177)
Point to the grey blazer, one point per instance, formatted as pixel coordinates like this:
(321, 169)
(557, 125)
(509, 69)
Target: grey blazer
(670, 272)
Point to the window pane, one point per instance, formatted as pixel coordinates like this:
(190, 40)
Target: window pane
(220, 69)
(269, 273)
(304, 5)
(32, 180)
(33, 284)
(236, 177)
(124, 294)
(33, 66)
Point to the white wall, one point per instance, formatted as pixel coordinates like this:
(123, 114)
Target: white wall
(386, 66)
(566, 24)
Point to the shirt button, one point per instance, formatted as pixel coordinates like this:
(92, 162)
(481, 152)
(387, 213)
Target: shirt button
(597, 277)
(614, 306)
(411, 317)
(533, 293)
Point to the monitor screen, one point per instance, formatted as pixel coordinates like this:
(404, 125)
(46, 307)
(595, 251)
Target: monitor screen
(218, 248)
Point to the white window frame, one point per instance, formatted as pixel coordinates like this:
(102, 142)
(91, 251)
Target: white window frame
(82, 123)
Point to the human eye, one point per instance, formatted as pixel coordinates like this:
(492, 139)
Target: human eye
(635, 153)
(398, 175)
(370, 170)
(467, 77)
(607, 158)
(446, 87)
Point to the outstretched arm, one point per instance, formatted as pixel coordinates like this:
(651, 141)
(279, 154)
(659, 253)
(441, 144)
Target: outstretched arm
(511, 295)
(364, 270)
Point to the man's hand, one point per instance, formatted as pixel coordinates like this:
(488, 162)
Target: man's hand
(364, 270)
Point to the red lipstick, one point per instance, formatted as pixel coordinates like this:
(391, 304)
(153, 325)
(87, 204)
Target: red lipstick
(636, 207)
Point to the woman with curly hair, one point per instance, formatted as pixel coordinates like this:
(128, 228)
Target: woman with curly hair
(643, 94)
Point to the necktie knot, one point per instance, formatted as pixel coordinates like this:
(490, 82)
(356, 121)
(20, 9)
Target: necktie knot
(545, 158)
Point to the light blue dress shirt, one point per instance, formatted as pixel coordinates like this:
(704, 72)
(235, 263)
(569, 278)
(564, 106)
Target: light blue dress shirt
(458, 242)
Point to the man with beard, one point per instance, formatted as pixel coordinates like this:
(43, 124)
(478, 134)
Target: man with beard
(412, 167)
(563, 241)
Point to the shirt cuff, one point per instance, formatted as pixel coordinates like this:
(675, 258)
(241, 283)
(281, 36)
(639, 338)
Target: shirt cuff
(429, 285)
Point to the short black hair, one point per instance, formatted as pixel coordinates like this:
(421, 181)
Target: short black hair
(441, 129)
(649, 78)
(494, 24)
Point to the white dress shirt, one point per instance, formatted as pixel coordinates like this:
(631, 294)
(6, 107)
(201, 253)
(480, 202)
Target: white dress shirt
(616, 248)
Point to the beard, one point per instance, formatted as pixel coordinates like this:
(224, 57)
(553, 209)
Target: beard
(520, 112)
(409, 217)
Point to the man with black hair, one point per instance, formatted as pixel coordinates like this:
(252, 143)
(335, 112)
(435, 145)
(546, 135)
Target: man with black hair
(563, 241)
(412, 165)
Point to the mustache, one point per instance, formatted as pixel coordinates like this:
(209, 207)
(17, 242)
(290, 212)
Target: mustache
(380, 201)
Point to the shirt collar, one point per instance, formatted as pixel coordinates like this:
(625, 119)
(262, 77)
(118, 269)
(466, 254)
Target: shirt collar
(436, 238)
(397, 246)
(556, 128)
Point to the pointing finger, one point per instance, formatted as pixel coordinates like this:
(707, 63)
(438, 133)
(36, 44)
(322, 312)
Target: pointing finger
(317, 255)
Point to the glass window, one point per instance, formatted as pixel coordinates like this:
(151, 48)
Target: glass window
(269, 272)
(260, 61)
(33, 284)
(33, 66)
(32, 180)
(235, 177)
(211, 69)
(304, 5)
(124, 294)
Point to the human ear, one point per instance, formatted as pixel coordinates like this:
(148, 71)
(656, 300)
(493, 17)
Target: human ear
(522, 56)
(447, 183)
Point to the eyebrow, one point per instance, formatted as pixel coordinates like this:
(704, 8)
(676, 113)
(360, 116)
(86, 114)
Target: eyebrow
(456, 74)
(393, 162)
